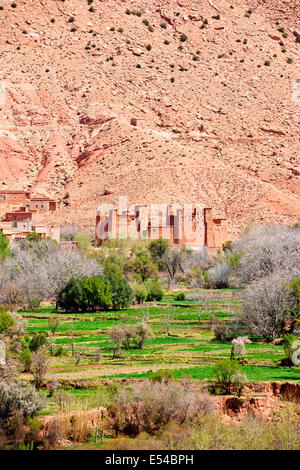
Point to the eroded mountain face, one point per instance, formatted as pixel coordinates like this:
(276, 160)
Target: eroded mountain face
(215, 88)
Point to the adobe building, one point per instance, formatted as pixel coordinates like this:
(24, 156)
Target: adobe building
(193, 226)
(42, 204)
(16, 231)
(14, 197)
(19, 215)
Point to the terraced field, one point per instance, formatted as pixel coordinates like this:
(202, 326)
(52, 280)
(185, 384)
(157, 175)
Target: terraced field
(190, 348)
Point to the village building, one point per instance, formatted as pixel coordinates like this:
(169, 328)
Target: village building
(42, 204)
(195, 228)
(16, 231)
(14, 197)
(19, 215)
(30, 204)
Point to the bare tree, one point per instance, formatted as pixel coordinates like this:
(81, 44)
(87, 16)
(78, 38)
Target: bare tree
(169, 318)
(220, 274)
(268, 249)
(39, 368)
(176, 261)
(25, 269)
(203, 305)
(268, 304)
(53, 323)
(142, 333)
(116, 336)
(59, 267)
(12, 294)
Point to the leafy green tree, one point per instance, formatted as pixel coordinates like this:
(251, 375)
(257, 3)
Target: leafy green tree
(158, 249)
(142, 267)
(71, 297)
(96, 294)
(37, 341)
(86, 295)
(140, 293)
(53, 323)
(4, 246)
(155, 291)
(122, 294)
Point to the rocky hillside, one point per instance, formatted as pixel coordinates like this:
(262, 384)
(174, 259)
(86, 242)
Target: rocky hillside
(213, 80)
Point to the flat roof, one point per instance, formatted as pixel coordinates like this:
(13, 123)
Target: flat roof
(10, 191)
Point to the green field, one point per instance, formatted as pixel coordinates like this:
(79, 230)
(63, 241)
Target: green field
(190, 348)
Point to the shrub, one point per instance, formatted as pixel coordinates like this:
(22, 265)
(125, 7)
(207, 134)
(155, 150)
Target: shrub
(238, 382)
(6, 322)
(26, 360)
(140, 293)
(12, 294)
(37, 341)
(155, 291)
(154, 405)
(183, 38)
(180, 296)
(224, 372)
(162, 376)
(226, 331)
(19, 396)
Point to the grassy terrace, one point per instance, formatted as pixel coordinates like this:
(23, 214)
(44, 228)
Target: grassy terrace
(190, 350)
